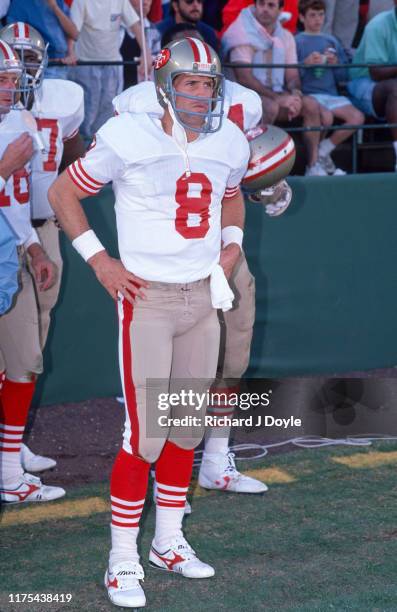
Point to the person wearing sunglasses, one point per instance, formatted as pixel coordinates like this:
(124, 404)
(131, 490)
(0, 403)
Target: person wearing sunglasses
(189, 11)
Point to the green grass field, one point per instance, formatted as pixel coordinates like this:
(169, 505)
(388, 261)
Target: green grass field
(324, 537)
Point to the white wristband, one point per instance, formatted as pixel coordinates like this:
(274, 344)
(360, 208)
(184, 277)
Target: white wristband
(232, 233)
(2, 183)
(87, 244)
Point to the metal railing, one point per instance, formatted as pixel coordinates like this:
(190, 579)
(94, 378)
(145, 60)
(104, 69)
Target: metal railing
(299, 66)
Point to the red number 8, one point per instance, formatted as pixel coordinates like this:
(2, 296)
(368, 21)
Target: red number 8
(193, 205)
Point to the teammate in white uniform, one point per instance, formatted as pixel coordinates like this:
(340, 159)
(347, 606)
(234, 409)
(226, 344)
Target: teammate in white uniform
(58, 107)
(19, 341)
(176, 182)
(218, 470)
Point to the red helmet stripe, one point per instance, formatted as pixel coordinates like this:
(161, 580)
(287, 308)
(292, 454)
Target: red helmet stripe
(269, 168)
(195, 49)
(207, 51)
(16, 28)
(266, 157)
(27, 33)
(5, 49)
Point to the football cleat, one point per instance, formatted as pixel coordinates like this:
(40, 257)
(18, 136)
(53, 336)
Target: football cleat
(188, 508)
(29, 489)
(122, 584)
(180, 558)
(218, 471)
(35, 463)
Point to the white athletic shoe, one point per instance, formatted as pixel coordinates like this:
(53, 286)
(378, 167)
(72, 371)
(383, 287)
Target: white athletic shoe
(218, 471)
(188, 508)
(180, 558)
(328, 164)
(122, 583)
(35, 463)
(29, 488)
(315, 170)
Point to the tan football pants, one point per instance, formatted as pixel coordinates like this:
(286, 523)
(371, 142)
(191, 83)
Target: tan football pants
(237, 326)
(167, 343)
(24, 328)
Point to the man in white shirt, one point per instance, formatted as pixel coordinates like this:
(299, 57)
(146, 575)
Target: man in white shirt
(99, 26)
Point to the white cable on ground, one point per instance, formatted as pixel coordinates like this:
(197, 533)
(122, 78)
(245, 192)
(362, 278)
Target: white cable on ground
(257, 451)
(143, 50)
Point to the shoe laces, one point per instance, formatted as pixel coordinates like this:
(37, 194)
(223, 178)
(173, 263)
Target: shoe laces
(180, 545)
(30, 479)
(128, 574)
(231, 469)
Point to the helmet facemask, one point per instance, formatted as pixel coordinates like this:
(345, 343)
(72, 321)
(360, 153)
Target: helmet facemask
(212, 116)
(11, 69)
(34, 62)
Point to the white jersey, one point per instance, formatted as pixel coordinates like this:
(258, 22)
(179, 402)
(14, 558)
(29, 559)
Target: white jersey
(59, 112)
(242, 105)
(168, 223)
(15, 197)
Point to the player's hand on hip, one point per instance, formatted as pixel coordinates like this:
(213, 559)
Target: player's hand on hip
(229, 257)
(115, 277)
(16, 155)
(45, 271)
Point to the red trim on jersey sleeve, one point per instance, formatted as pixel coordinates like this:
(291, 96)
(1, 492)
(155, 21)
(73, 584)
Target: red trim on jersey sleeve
(72, 135)
(230, 192)
(83, 180)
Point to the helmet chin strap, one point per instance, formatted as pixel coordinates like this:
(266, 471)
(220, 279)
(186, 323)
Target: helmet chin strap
(178, 133)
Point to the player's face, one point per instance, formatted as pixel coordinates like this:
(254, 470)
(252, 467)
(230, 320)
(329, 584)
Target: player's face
(9, 82)
(31, 62)
(267, 12)
(198, 86)
(313, 20)
(189, 10)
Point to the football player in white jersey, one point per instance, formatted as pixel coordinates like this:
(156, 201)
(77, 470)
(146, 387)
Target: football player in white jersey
(218, 470)
(19, 338)
(58, 107)
(176, 181)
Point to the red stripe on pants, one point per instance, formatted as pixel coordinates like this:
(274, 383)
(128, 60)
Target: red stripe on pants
(129, 387)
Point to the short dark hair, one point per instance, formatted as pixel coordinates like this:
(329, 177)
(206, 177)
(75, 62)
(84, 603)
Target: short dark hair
(307, 5)
(280, 3)
(169, 34)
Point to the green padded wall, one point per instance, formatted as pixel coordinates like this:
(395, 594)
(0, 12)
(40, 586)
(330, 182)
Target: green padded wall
(326, 290)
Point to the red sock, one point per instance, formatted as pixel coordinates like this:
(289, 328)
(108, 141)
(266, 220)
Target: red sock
(15, 402)
(128, 486)
(173, 475)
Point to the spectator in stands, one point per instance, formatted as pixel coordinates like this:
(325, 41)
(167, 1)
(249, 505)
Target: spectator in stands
(4, 5)
(374, 89)
(314, 49)
(178, 31)
(51, 19)
(233, 8)
(98, 25)
(189, 11)
(130, 48)
(378, 6)
(256, 36)
(341, 20)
